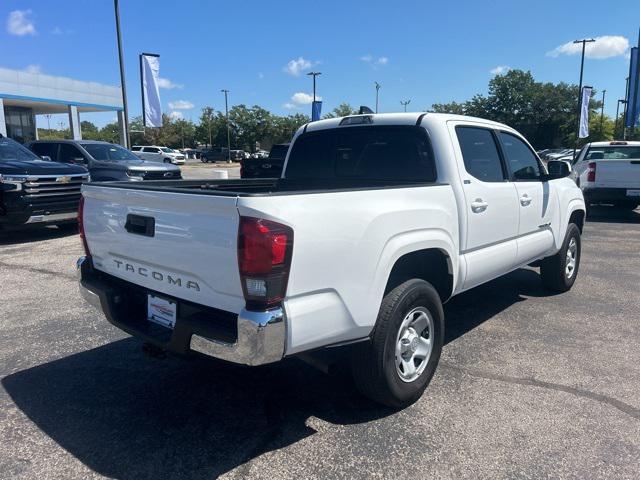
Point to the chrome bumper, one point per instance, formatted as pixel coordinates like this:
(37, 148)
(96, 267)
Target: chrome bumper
(54, 217)
(261, 335)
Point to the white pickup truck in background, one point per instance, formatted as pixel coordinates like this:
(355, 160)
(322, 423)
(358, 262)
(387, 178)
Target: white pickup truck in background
(376, 221)
(155, 153)
(609, 173)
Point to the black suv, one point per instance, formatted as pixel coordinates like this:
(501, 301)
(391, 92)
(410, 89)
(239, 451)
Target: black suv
(37, 191)
(105, 161)
(270, 167)
(215, 154)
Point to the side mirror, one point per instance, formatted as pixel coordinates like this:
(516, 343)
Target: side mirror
(46, 157)
(558, 169)
(78, 160)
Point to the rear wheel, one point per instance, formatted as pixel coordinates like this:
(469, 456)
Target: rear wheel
(396, 366)
(559, 272)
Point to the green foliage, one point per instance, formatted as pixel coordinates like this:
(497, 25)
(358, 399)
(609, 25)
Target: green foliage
(545, 113)
(342, 110)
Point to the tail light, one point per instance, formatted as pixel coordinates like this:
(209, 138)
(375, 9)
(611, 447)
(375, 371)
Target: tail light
(81, 227)
(264, 259)
(591, 172)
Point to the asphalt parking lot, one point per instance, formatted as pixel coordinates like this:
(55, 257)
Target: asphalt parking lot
(529, 386)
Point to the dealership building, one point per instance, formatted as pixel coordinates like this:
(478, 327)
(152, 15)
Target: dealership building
(24, 95)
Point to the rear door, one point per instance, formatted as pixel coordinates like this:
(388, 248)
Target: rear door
(535, 200)
(188, 251)
(489, 239)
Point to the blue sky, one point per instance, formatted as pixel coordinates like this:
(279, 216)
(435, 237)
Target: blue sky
(423, 51)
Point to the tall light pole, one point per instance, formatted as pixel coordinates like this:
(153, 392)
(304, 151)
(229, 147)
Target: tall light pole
(226, 109)
(624, 112)
(602, 112)
(122, 83)
(615, 125)
(404, 103)
(584, 42)
(314, 75)
(377, 90)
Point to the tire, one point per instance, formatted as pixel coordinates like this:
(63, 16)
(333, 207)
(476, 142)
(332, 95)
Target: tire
(556, 271)
(373, 364)
(167, 160)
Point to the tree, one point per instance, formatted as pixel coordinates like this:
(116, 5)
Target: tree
(545, 113)
(342, 110)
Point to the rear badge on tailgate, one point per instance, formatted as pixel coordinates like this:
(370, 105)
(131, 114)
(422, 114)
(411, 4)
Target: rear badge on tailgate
(171, 279)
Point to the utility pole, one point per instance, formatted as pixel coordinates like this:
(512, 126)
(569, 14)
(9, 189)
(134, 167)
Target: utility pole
(404, 103)
(377, 90)
(615, 125)
(602, 112)
(624, 112)
(584, 42)
(48, 115)
(122, 82)
(314, 75)
(226, 109)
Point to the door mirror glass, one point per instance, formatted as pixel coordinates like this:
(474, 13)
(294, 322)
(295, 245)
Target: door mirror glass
(558, 169)
(46, 157)
(80, 160)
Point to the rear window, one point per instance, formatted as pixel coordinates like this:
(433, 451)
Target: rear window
(396, 153)
(618, 152)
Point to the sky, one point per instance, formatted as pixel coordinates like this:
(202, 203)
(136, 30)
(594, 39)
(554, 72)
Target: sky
(423, 51)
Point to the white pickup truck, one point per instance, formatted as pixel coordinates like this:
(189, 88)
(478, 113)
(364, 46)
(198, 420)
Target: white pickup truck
(376, 221)
(609, 173)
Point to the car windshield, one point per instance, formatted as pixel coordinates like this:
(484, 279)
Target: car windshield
(12, 150)
(105, 151)
(617, 152)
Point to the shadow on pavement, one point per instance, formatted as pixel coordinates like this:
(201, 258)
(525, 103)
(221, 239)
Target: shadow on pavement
(128, 416)
(34, 233)
(603, 214)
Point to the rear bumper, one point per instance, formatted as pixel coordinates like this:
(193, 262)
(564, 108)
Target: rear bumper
(256, 338)
(607, 195)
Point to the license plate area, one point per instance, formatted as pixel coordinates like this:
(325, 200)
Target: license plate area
(161, 311)
(633, 193)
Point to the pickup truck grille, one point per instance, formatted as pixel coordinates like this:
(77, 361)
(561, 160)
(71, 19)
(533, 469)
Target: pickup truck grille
(53, 193)
(161, 175)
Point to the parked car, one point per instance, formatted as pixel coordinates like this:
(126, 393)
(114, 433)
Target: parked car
(37, 191)
(154, 153)
(105, 161)
(214, 154)
(609, 173)
(270, 167)
(237, 155)
(376, 221)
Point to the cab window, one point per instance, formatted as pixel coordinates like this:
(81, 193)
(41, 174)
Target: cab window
(522, 162)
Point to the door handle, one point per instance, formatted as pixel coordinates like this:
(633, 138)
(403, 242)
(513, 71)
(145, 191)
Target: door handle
(525, 200)
(479, 205)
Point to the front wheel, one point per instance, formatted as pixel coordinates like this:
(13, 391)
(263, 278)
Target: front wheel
(167, 160)
(396, 365)
(559, 272)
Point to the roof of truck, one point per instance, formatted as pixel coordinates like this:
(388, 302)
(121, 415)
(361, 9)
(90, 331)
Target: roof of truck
(401, 119)
(616, 143)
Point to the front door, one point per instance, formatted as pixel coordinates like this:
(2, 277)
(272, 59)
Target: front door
(535, 235)
(489, 242)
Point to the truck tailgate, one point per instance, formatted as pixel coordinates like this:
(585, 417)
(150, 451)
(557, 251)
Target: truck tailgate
(179, 244)
(614, 173)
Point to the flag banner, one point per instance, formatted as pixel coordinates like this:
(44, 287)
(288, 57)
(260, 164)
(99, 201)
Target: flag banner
(151, 106)
(584, 112)
(316, 110)
(633, 98)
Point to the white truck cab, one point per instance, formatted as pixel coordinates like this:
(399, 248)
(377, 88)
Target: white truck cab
(376, 221)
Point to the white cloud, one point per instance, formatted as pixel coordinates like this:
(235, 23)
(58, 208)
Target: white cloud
(20, 23)
(302, 98)
(175, 115)
(33, 68)
(500, 70)
(181, 105)
(298, 66)
(290, 106)
(604, 47)
(374, 61)
(168, 84)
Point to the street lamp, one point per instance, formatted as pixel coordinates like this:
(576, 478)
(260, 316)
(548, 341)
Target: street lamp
(404, 103)
(314, 75)
(122, 83)
(226, 109)
(615, 126)
(377, 90)
(584, 42)
(602, 111)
